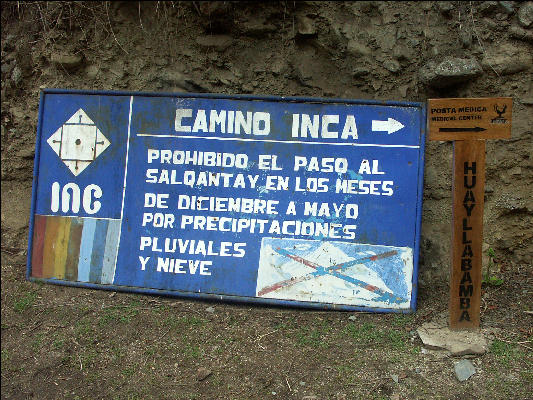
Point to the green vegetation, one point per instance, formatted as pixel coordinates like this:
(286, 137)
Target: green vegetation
(506, 353)
(402, 320)
(88, 356)
(488, 278)
(368, 334)
(5, 356)
(128, 371)
(38, 342)
(26, 301)
(193, 352)
(83, 328)
(348, 374)
(123, 314)
(58, 344)
(175, 322)
(311, 337)
(314, 336)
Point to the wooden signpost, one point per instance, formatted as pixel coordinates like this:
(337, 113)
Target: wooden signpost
(468, 122)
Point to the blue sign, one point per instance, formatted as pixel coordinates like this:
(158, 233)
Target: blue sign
(304, 202)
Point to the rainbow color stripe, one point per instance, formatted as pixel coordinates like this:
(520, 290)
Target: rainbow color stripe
(75, 249)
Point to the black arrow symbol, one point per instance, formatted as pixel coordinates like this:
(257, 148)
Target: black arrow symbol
(476, 129)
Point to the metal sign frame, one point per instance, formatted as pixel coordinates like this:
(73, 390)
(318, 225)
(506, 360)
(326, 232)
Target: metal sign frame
(335, 269)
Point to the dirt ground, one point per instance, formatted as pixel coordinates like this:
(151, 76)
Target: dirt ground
(61, 342)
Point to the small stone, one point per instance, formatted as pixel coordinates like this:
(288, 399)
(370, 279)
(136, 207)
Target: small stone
(7, 68)
(161, 61)
(210, 310)
(525, 14)
(257, 27)
(67, 61)
(16, 75)
(118, 71)
(18, 113)
(306, 26)
(465, 37)
(507, 59)
(525, 100)
(487, 7)
(357, 49)
(445, 7)
(438, 337)
(491, 25)
(92, 71)
(302, 383)
(8, 43)
(515, 171)
(402, 52)
(218, 42)
(352, 318)
(403, 90)
(27, 154)
(177, 80)
(276, 67)
(427, 5)
(501, 17)
(395, 378)
(412, 42)
(521, 34)
(360, 71)
(173, 78)
(214, 8)
(368, 7)
(202, 374)
(464, 369)
(458, 350)
(506, 6)
(450, 71)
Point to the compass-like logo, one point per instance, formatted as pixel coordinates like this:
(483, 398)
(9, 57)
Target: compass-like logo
(78, 142)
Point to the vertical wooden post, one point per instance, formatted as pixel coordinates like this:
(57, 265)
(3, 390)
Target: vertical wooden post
(467, 233)
(468, 122)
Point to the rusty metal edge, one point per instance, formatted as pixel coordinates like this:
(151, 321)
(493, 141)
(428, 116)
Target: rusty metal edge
(237, 97)
(419, 206)
(34, 184)
(223, 297)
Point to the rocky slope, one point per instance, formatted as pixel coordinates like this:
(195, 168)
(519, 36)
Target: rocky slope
(366, 50)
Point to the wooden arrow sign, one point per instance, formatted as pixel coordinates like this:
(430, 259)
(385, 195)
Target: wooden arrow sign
(468, 122)
(470, 119)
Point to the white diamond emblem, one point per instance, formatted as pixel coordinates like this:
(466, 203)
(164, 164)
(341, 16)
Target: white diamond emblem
(78, 142)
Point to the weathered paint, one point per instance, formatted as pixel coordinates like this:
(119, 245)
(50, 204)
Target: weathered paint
(39, 230)
(89, 228)
(73, 252)
(382, 277)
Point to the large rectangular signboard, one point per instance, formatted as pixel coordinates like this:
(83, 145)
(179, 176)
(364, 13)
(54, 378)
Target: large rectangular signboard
(305, 202)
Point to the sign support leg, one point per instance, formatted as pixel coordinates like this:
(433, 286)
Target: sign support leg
(467, 233)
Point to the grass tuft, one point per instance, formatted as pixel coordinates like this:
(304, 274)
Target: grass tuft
(25, 302)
